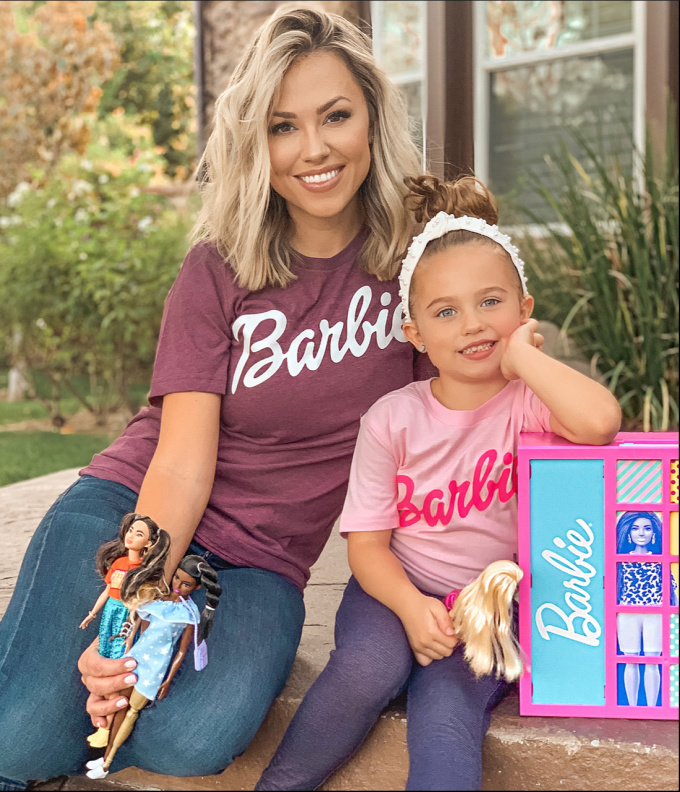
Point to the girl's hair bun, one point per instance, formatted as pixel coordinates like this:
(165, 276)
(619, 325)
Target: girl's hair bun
(465, 196)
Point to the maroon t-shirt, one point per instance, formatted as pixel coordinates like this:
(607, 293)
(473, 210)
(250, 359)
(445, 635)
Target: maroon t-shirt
(296, 368)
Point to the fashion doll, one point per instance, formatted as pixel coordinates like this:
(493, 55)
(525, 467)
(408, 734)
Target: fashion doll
(482, 615)
(164, 622)
(135, 558)
(139, 553)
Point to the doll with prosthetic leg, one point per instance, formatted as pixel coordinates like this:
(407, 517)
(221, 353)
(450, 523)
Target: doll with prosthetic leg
(164, 623)
(137, 557)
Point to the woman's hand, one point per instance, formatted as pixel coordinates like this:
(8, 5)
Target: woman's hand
(525, 335)
(428, 628)
(106, 679)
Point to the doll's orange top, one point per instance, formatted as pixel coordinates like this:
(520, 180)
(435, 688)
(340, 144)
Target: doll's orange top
(117, 571)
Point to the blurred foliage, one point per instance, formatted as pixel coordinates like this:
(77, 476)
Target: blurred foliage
(96, 117)
(154, 82)
(86, 260)
(607, 273)
(52, 60)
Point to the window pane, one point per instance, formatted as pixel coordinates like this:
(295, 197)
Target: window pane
(399, 46)
(400, 27)
(531, 25)
(532, 107)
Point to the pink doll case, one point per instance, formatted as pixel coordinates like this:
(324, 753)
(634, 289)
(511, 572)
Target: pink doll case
(599, 623)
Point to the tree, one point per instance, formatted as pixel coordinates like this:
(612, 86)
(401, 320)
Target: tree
(154, 81)
(51, 64)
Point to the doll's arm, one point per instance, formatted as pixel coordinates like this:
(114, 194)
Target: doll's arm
(581, 410)
(381, 575)
(177, 660)
(101, 599)
(137, 624)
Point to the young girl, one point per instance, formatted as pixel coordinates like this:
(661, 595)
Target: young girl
(432, 499)
(169, 620)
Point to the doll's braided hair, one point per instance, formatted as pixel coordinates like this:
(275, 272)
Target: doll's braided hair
(201, 571)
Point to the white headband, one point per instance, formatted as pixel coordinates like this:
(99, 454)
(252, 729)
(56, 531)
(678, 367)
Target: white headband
(441, 224)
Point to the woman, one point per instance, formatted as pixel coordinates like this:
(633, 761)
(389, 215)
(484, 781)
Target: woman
(264, 366)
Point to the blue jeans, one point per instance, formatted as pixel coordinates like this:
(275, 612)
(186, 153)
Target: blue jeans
(448, 708)
(208, 718)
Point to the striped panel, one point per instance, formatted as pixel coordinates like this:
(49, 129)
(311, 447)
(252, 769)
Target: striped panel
(638, 481)
(674, 686)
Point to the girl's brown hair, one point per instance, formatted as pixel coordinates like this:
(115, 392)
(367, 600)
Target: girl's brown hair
(465, 196)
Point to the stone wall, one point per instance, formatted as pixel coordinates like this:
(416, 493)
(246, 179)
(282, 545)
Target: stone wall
(227, 28)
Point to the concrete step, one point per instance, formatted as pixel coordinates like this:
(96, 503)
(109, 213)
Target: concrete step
(520, 753)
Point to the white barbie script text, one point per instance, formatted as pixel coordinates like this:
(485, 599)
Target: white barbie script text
(329, 339)
(579, 625)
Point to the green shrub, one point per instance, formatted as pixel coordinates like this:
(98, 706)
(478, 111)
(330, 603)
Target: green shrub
(87, 256)
(607, 273)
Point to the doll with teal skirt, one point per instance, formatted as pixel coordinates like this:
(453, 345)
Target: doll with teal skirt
(137, 556)
(166, 622)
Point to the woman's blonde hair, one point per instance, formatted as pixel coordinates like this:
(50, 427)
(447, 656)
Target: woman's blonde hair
(482, 618)
(241, 214)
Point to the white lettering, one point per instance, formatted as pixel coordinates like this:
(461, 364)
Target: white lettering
(253, 374)
(577, 598)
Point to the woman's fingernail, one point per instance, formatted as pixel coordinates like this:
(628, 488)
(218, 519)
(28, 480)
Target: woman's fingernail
(131, 664)
(130, 680)
(121, 703)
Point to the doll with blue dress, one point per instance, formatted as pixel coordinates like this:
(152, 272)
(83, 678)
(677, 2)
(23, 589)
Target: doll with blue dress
(165, 622)
(136, 558)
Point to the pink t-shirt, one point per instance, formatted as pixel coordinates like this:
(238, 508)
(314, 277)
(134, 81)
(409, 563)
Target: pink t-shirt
(443, 481)
(296, 369)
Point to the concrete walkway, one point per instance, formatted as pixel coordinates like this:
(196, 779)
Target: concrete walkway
(520, 753)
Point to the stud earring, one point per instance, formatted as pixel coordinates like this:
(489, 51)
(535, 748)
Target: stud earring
(421, 348)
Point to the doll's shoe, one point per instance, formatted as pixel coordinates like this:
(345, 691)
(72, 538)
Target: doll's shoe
(98, 772)
(99, 739)
(93, 764)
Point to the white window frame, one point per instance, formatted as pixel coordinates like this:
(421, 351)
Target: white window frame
(483, 67)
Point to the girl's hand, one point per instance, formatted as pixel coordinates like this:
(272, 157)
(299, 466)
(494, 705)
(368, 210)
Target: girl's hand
(428, 628)
(105, 679)
(163, 690)
(525, 335)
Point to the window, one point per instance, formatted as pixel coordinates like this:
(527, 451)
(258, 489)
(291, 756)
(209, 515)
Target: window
(399, 48)
(543, 68)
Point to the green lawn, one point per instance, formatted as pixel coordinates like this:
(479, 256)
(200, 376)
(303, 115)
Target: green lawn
(24, 455)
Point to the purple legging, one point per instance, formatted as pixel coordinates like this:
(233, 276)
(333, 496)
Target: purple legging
(448, 708)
